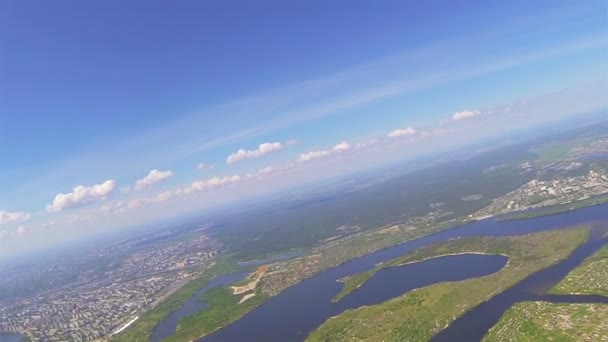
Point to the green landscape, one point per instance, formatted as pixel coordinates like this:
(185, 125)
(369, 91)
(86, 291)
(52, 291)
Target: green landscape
(591, 278)
(542, 321)
(430, 309)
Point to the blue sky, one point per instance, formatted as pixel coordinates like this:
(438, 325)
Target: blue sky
(98, 94)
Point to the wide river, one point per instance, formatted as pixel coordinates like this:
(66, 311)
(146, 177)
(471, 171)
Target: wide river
(297, 311)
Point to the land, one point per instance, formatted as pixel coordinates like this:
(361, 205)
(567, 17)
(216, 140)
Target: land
(141, 330)
(419, 314)
(553, 196)
(130, 285)
(590, 278)
(542, 321)
(553, 210)
(110, 287)
(224, 308)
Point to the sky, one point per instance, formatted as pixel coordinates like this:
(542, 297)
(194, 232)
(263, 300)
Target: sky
(115, 113)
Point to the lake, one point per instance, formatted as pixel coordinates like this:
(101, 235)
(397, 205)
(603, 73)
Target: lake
(297, 311)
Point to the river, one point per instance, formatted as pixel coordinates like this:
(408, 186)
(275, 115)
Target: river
(297, 311)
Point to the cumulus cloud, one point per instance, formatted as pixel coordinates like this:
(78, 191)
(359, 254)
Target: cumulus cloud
(13, 217)
(465, 114)
(153, 177)
(339, 148)
(402, 132)
(81, 195)
(263, 149)
(21, 231)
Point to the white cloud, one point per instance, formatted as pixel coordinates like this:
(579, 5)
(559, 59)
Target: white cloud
(341, 147)
(81, 195)
(202, 185)
(263, 149)
(344, 146)
(3, 234)
(155, 176)
(13, 217)
(202, 166)
(465, 114)
(402, 132)
(21, 231)
(308, 156)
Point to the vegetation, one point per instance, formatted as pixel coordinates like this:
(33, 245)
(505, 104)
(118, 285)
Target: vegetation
(376, 202)
(420, 314)
(141, 330)
(223, 309)
(590, 278)
(553, 210)
(552, 153)
(542, 321)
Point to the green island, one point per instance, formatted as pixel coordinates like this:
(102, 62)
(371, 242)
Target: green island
(542, 321)
(430, 309)
(590, 278)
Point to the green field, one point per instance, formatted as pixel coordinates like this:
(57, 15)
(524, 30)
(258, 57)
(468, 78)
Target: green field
(591, 278)
(552, 153)
(420, 314)
(542, 321)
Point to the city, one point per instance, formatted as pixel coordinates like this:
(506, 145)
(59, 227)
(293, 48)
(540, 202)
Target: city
(99, 304)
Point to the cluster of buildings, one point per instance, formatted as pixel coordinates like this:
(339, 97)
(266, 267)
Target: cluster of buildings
(539, 193)
(107, 298)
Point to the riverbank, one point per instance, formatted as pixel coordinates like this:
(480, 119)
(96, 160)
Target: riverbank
(430, 309)
(553, 210)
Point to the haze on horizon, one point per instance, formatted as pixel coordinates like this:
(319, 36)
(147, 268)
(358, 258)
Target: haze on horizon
(115, 114)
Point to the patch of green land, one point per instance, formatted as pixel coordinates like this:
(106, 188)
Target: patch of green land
(141, 330)
(420, 314)
(590, 278)
(542, 321)
(554, 209)
(552, 153)
(223, 309)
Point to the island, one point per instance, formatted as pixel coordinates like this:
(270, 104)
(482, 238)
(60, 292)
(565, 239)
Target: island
(418, 315)
(543, 321)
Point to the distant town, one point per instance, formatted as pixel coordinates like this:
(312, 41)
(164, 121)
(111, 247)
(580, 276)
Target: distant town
(101, 304)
